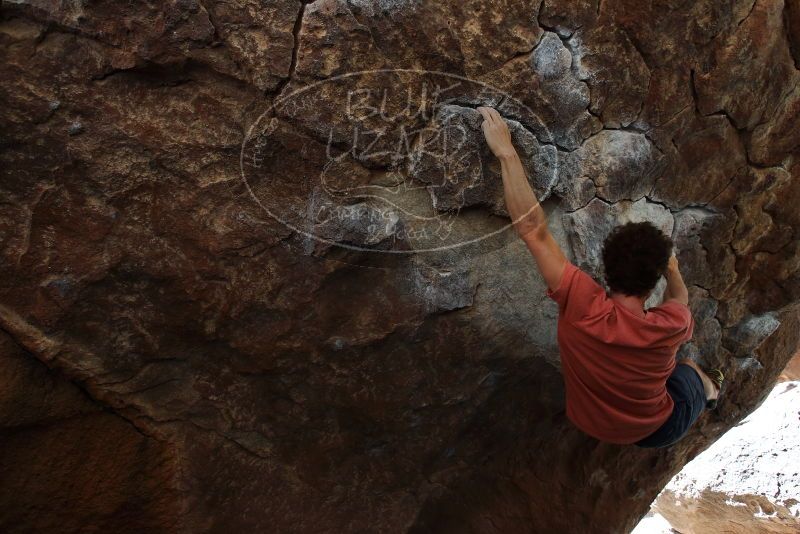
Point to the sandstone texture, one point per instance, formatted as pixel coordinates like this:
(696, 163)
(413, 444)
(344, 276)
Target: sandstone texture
(256, 272)
(792, 370)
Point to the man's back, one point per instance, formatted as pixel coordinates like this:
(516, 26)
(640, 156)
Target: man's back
(616, 363)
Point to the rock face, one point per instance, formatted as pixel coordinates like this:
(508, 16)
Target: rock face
(69, 464)
(257, 273)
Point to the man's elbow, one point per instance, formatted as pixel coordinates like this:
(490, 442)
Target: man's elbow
(533, 232)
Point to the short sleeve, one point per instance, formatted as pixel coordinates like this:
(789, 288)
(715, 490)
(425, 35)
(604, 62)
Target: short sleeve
(682, 315)
(577, 293)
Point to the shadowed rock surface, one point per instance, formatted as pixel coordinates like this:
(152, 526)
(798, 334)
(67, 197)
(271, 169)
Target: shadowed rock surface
(255, 263)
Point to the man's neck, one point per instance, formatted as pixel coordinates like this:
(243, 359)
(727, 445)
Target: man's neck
(633, 303)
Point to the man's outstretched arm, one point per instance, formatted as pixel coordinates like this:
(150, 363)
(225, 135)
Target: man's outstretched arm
(676, 288)
(526, 213)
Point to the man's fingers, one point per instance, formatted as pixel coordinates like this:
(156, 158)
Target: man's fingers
(496, 114)
(487, 113)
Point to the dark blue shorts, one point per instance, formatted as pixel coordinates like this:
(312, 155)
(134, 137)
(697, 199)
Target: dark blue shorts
(687, 392)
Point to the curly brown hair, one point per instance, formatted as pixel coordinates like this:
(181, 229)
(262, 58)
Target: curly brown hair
(635, 255)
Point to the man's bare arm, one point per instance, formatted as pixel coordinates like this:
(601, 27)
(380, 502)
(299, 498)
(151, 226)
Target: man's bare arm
(526, 213)
(676, 288)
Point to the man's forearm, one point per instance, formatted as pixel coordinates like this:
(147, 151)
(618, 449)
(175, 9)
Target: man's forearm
(676, 288)
(523, 206)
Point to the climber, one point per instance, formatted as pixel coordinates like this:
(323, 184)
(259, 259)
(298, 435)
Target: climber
(623, 384)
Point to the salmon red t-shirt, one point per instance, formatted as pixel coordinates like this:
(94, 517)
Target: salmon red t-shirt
(616, 362)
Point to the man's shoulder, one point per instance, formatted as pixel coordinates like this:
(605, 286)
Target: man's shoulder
(588, 282)
(579, 294)
(672, 312)
(577, 281)
(672, 306)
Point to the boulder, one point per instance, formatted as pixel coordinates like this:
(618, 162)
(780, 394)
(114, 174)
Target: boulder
(256, 271)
